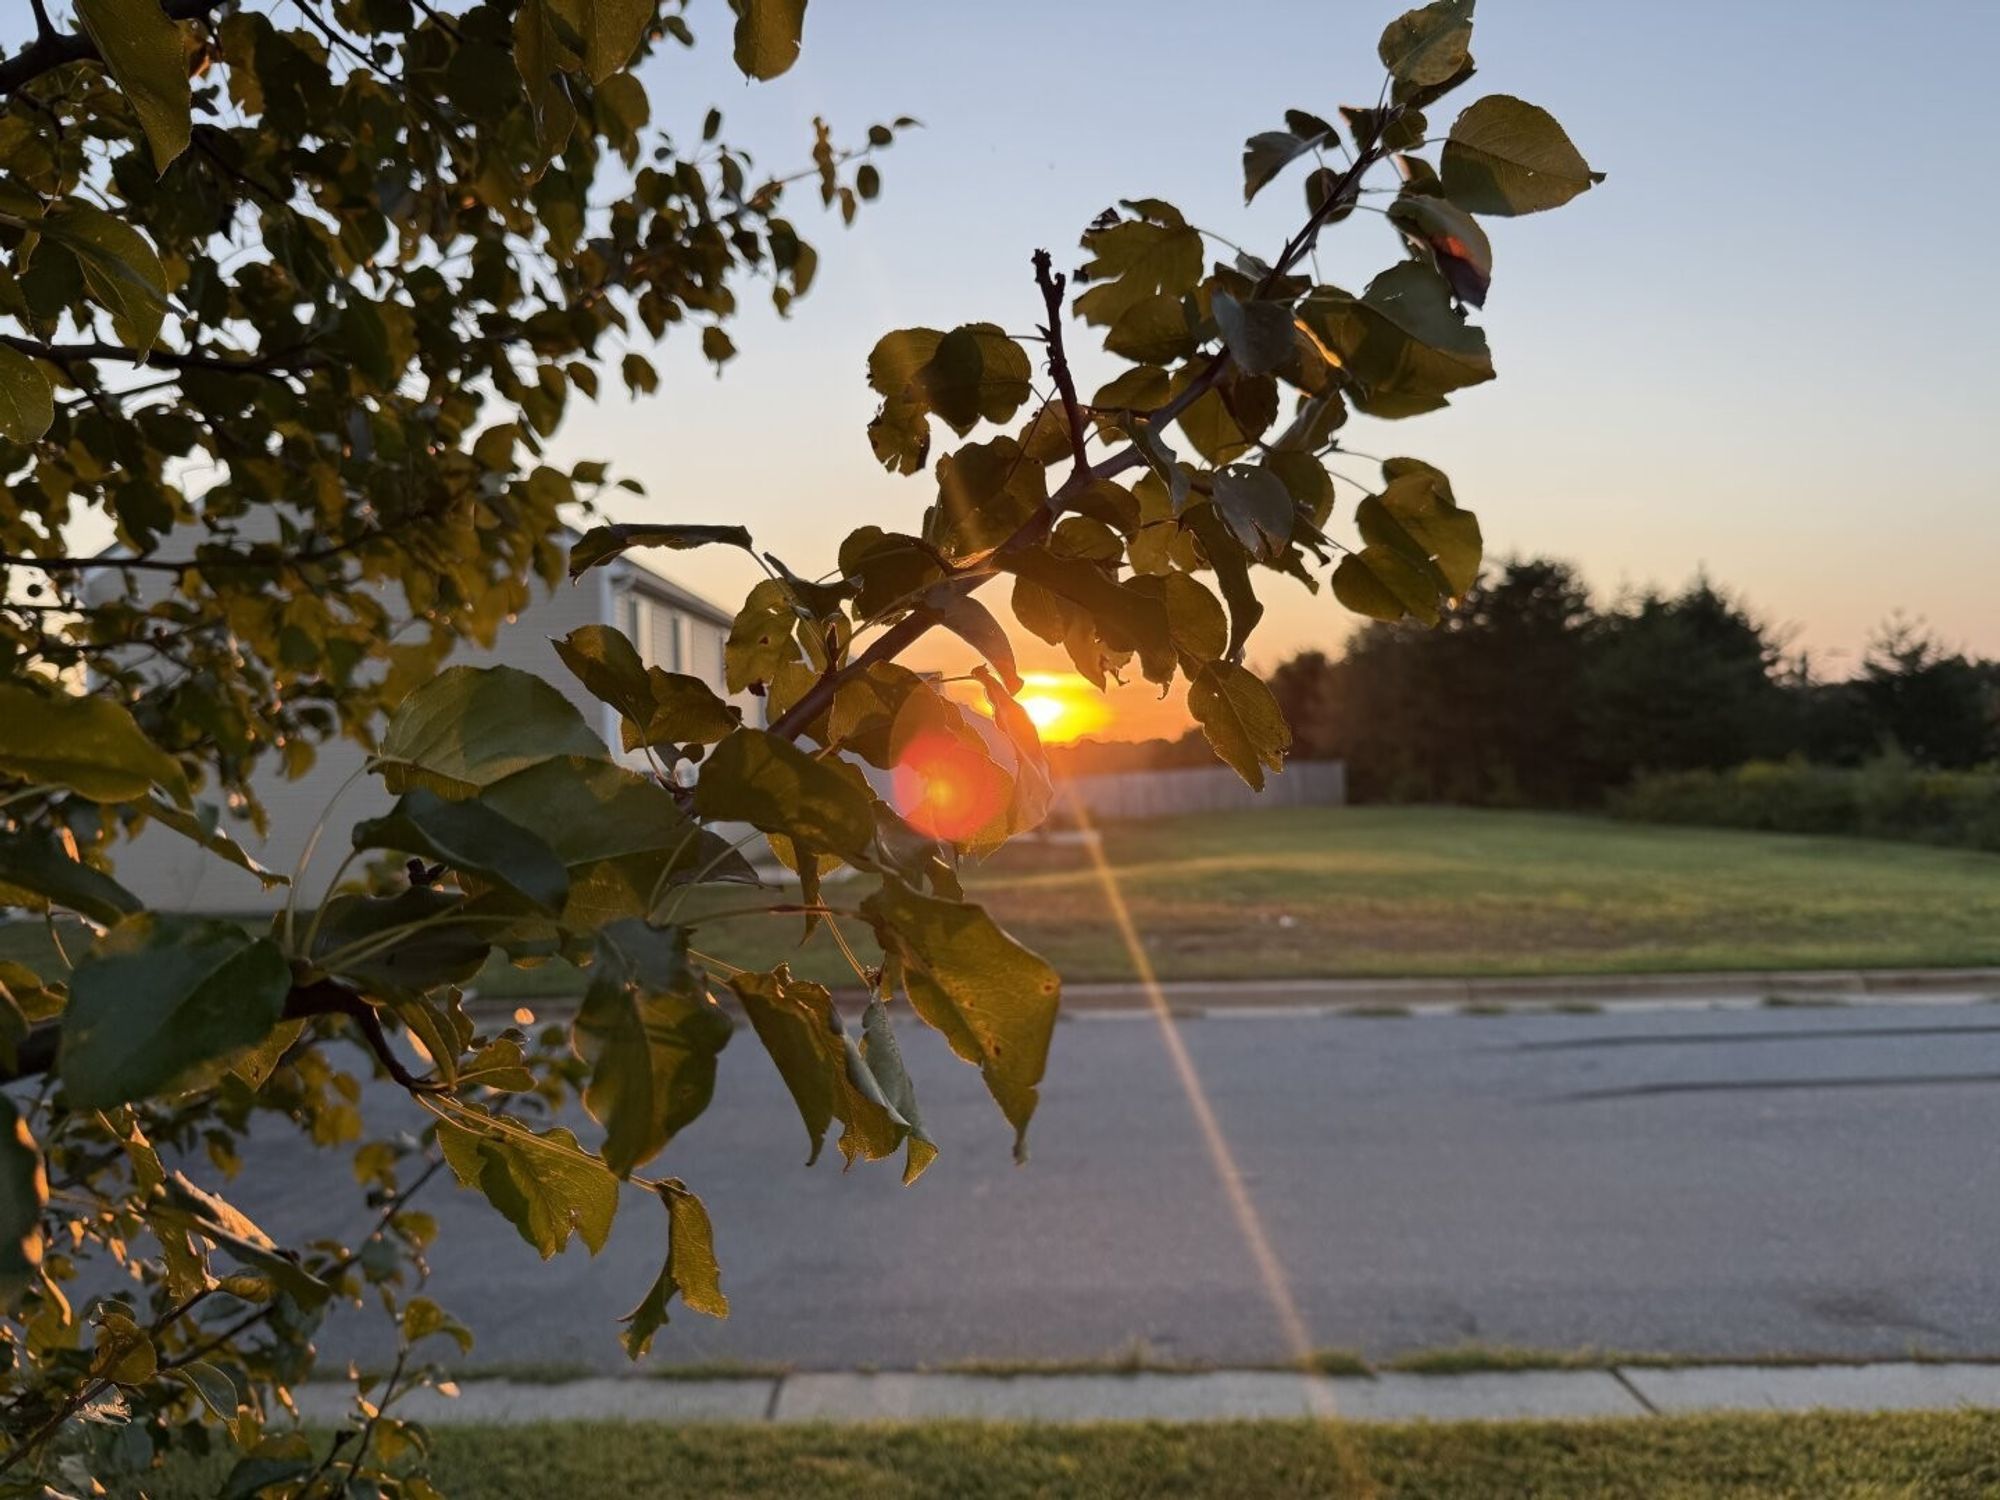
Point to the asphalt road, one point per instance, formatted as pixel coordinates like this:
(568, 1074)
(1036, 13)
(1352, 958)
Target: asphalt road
(1709, 1183)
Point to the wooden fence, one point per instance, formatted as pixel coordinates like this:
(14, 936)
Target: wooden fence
(1199, 789)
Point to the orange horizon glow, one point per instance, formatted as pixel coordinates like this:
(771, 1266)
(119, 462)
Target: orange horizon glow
(1062, 705)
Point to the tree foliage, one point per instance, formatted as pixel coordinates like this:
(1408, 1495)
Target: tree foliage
(301, 293)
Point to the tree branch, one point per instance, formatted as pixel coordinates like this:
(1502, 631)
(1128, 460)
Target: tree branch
(1052, 283)
(52, 49)
(914, 626)
(281, 362)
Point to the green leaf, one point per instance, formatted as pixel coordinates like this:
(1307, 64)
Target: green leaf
(470, 838)
(1136, 258)
(1384, 584)
(986, 493)
(120, 269)
(1232, 572)
(469, 727)
(973, 623)
(1416, 516)
(24, 1193)
(91, 745)
(1505, 156)
(884, 1056)
(1454, 240)
(768, 35)
(1126, 618)
(600, 544)
(1241, 719)
(27, 404)
(160, 995)
(650, 1034)
(542, 1182)
(1269, 152)
(440, 951)
(1255, 505)
(975, 373)
(900, 432)
(191, 1209)
(657, 706)
(994, 1001)
(620, 834)
(691, 1271)
(1401, 339)
(828, 1079)
(202, 826)
(1260, 335)
(146, 54)
(612, 31)
(1152, 331)
(757, 778)
(36, 865)
(1428, 45)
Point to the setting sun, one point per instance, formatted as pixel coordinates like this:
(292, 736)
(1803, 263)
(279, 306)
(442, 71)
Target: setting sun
(1063, 706)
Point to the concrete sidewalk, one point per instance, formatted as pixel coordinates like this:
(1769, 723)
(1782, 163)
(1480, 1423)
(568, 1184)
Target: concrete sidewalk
(1217, 1395)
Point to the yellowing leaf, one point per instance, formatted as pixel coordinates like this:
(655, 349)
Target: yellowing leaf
(691, 1271)
(1241, 719)
(27, 405)
(1428, 45)
(768, 35)
(994, 1001)
(89, 744)
(148, 57)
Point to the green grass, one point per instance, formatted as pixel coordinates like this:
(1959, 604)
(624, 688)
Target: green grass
(1937, 1456)
(1376, 891)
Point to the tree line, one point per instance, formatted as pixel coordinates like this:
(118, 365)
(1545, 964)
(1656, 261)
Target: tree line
(1531, 691)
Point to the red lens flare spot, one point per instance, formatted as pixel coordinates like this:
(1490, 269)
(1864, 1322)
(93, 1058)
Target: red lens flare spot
(946, 789)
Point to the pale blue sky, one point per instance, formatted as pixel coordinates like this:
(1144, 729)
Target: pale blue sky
(1766, 345)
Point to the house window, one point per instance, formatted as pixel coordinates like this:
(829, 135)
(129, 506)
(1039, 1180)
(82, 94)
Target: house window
(654, 630)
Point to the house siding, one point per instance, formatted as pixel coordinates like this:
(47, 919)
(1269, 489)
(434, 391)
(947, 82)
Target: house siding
(169, 873)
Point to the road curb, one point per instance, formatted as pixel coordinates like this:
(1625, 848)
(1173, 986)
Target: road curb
(1717, 990)
(856, 1397)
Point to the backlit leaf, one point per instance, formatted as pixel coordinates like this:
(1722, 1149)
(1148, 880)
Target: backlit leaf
(147, 56)
(1428, 45)
(27, 405)
(691, 1271)
(994, 1001)
(120, 268)
(1401, 339)
(650, 1034)
(1241, 719)
(469, 727)
(544, 1184)
(90, 744)
(1506, 156)
(824, 1071)
(768, 782)
(768, 35)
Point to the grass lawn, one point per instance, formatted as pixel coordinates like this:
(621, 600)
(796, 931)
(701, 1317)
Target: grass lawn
(1938, 1456)
(1327, 892)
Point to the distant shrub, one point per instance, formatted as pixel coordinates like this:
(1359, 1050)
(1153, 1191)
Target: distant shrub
(1889, 798)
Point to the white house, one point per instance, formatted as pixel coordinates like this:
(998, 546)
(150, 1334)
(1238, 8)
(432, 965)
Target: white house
(672, 628)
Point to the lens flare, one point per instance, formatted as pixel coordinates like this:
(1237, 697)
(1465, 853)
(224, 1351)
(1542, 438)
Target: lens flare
(947, 789)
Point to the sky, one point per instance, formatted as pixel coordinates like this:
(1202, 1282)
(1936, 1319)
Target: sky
(1764, 347)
